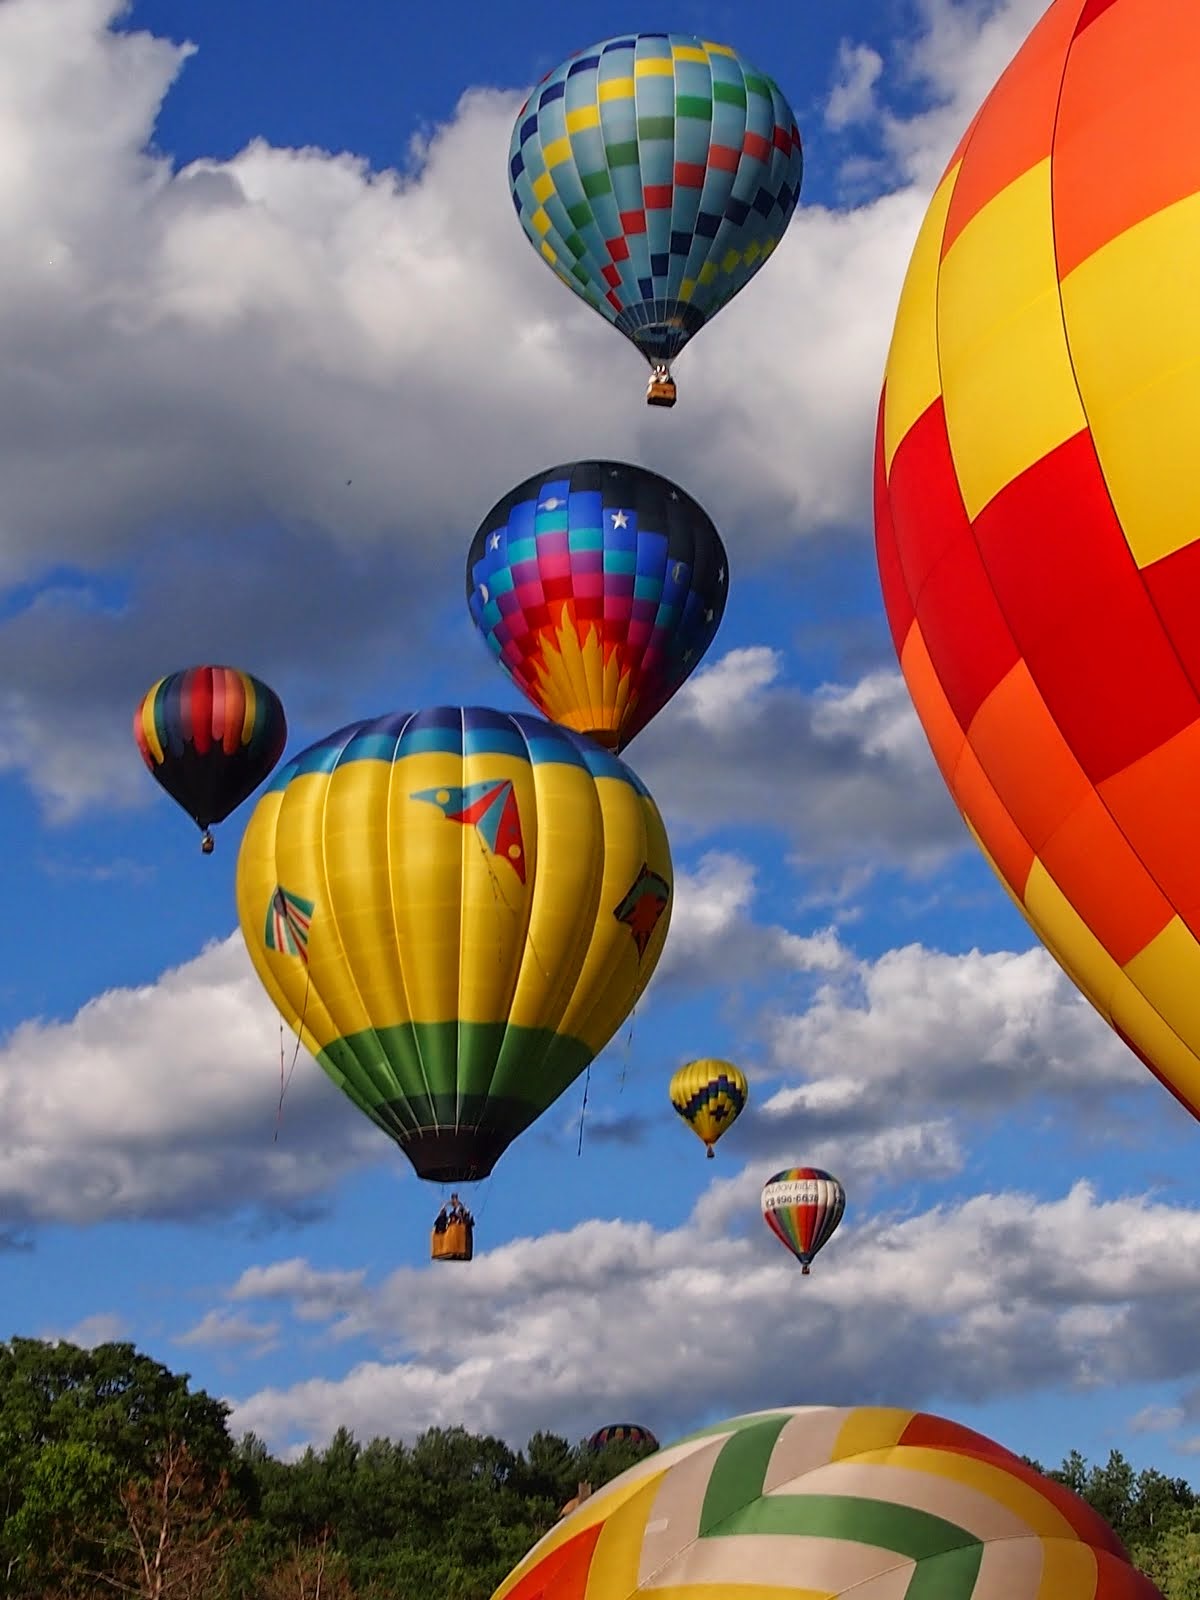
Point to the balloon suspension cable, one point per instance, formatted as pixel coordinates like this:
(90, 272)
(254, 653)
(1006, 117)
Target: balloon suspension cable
(486, 1196)
(628, 1047)
(497, 887)
(285, 1081)
(583, 1109)
(499, 896)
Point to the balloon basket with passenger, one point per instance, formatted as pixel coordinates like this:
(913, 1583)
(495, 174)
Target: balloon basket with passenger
(453, 1236)
(455, 1242)
(660, 390)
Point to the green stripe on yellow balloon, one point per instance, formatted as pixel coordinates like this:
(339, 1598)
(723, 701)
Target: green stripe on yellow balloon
(949, 1575)
(408, 1076)
(915, 1535)
(752, 1419)
(739, 1471)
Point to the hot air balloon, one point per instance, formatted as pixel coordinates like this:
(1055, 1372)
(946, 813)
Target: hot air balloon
(209, 736)
(802, 1206)
(455, 909)
(866, 1502)
(623, 1433)
(598, 586)
(1037, 504)
(655, 173)
(709, 1096)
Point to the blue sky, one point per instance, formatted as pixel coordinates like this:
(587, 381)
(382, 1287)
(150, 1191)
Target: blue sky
(230, 280)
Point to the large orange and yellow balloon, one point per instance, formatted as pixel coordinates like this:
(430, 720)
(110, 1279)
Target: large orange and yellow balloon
(1037, 503)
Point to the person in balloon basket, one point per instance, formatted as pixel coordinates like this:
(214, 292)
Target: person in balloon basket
(454, 1212)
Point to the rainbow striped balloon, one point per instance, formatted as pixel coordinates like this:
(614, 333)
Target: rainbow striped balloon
(818, 1502)
(803, 1206)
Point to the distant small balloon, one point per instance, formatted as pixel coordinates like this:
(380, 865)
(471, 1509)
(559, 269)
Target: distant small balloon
(709, 1095)
(209, 736)
(803, 1206)
(655, 173)
(623, 1433)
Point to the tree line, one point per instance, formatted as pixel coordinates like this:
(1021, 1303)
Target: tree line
(117, 1479)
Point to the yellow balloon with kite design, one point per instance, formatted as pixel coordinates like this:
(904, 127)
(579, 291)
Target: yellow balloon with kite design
(456, 909)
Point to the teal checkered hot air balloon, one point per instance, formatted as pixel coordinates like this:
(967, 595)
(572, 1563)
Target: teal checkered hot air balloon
(655, 173)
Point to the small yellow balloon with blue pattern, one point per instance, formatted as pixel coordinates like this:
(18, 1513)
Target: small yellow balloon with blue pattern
(709, 1095)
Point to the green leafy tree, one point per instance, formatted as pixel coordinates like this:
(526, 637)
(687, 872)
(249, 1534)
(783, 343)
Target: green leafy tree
(80, 1429)
(59, 1505)
(1172, 1560)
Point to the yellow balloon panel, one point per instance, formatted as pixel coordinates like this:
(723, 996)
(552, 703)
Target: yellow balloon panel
(624, 949)
(998, 319)
(913, 357)
(1134, 325)
(259, 872)
(565, 803)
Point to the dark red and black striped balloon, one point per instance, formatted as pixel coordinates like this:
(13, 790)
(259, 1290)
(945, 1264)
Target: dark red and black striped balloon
(210, 735)
(623, 1433)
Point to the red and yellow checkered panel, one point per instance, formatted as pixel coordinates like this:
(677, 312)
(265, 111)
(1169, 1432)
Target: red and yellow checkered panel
(1037, 502)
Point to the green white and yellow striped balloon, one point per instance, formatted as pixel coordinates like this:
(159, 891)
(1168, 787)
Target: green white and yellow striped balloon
(819, 1502)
